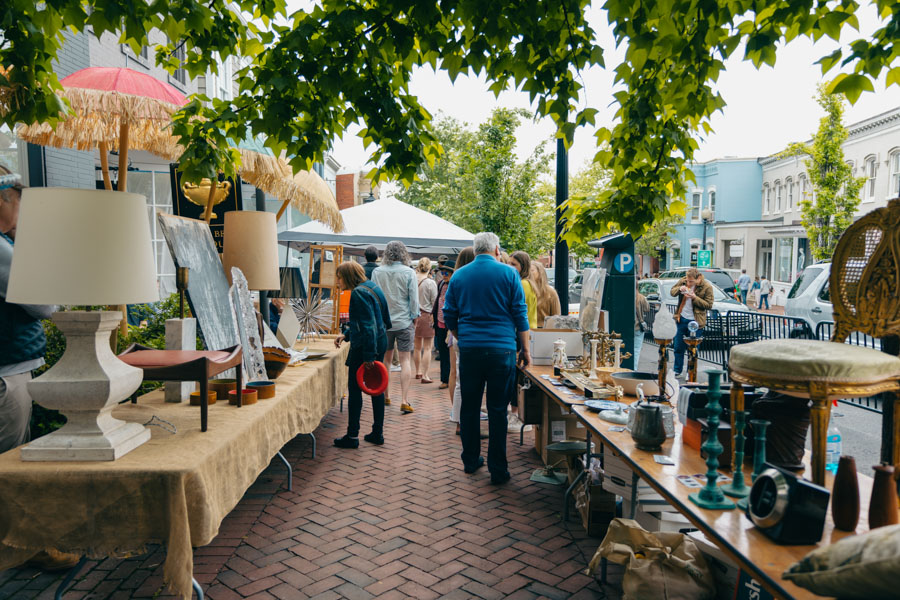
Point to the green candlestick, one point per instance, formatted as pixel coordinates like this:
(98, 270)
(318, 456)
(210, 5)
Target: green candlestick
(737, 489)
(759, 454)
(711, 496)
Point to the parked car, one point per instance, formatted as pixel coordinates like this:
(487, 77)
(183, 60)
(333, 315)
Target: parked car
(658, 293)
(714, 275)
(551, 276)
(810, 298)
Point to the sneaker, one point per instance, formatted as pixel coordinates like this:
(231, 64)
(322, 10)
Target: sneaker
(52, 560)
(372, 438)
(478, 465)
(500, 478)
(387, 401)
(347, 442)
(513, 423)
(406, 409)
(395, 368)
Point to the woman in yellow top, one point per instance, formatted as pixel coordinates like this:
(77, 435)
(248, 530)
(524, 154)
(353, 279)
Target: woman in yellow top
(521, 262)
(547, 298)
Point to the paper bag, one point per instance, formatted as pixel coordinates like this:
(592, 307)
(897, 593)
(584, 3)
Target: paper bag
(662, 565)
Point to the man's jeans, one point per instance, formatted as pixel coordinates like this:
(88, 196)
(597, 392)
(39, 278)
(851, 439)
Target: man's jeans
(496, 369)
(744, 296)
(764, 298)
(680, 346)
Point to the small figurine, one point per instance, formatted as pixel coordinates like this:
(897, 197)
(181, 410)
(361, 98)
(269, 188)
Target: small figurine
(559, 354)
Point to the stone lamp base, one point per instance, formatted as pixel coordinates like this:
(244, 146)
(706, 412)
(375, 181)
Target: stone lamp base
(85, 385)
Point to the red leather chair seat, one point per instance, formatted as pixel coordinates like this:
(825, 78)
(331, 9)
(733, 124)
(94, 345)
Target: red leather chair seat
(150, 359)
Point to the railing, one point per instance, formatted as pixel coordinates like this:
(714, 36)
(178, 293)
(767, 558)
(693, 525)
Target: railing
(738, 327)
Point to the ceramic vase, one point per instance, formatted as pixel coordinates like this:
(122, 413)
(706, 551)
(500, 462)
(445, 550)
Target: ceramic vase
(845, 495)
(883, 505)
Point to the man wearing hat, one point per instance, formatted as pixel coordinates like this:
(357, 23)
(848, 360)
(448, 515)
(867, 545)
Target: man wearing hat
(22, 348)
(440, 328)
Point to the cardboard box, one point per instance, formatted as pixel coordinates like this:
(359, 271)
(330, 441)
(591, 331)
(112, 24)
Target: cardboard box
(662, 521)
(725, 571)
(597, 508)
(541, 341)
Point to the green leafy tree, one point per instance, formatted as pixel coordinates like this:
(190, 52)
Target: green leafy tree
(829, 212)
(478, 184)
(655, 240)
(314, 74)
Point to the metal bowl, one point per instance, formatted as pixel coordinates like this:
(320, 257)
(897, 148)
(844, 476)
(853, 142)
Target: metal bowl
(630, 381)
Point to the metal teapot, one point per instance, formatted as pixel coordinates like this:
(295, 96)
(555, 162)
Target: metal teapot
(647, 429)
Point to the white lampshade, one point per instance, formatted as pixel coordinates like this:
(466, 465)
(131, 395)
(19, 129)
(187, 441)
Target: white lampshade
(251, 244)
(76, 246)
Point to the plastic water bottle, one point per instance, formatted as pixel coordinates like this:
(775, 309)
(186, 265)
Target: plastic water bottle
(832, 444)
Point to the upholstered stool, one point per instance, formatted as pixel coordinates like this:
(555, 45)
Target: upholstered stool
(820, 371)
(186, 365)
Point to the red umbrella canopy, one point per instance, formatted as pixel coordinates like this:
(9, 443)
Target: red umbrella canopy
(124, 81)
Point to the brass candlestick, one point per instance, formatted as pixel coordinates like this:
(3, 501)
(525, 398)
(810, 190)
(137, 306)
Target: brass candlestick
(663, 362)
(692, 343)
(181, 284)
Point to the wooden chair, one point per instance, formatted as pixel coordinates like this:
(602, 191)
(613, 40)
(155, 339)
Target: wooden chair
(865, 294)
(187, 365)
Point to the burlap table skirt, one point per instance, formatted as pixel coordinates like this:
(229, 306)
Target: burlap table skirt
(173, 490)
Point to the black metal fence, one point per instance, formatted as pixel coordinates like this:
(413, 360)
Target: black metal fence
(722, 332)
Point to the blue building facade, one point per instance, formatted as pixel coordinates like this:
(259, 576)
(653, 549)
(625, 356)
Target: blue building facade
(729, 188)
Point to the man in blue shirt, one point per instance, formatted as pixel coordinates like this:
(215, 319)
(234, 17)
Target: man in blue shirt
(743, 284)
(485, 309)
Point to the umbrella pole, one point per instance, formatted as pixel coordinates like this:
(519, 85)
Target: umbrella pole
(123, 157)
(281, 210)
(122, 186)
(104, 165)
(213, 186)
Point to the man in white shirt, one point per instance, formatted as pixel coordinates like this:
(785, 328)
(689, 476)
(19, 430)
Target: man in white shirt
(398, 282)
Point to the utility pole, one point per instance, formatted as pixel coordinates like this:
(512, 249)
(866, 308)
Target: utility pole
(561, 254)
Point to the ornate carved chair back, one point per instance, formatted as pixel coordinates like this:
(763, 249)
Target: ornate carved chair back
(865, 276)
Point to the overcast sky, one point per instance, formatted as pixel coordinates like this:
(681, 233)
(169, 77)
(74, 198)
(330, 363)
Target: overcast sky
(766, 109)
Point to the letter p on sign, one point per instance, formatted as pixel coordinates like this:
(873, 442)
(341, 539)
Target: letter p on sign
(624, 262)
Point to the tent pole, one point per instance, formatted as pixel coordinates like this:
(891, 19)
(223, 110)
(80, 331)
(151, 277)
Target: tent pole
(104, 165)
(281, 210)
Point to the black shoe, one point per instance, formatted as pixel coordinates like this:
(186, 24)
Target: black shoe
(500, 479)
(378, 440)
(347, 442)
(477, 466)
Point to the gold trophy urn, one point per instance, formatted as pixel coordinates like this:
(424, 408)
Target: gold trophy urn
(199, 194)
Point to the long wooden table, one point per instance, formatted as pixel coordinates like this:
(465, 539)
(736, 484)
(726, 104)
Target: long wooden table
(174, 490)
(730, 530)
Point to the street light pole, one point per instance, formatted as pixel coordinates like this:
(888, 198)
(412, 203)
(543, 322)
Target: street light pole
(707, 216)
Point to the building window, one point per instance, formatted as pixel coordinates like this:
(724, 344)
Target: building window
(784, 254)
(224, 79)
(789, 184)
(778, 187)
(767, 199)
(870, 178)
(180, 74)
(675, 260)
(895, 175)
(156, 187)
(712, 201)
(696, 199)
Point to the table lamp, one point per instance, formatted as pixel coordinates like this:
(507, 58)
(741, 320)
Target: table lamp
(251, 244)
(84, 247)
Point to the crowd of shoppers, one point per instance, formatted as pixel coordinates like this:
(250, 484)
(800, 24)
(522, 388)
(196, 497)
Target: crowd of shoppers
(476, 309)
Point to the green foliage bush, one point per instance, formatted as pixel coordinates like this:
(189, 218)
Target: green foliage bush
(43, 420)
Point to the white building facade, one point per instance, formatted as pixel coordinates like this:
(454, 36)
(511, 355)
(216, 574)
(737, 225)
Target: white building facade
(780, 245)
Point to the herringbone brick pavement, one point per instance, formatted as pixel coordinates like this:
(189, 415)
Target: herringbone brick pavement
(396, 521)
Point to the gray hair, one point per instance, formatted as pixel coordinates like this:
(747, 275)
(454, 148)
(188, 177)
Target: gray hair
(395, 252)
(485, 243)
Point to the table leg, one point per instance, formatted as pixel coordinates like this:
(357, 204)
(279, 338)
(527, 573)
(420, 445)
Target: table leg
(197, 588)
(634, 488)
(204, 403)
(820, 413)
(67, 580)
(522, 434)
(312, 436)
(290, 470)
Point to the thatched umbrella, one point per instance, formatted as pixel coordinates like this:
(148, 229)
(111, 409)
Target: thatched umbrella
(114, 109)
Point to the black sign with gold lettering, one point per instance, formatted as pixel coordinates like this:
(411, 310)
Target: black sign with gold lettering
(189, 200)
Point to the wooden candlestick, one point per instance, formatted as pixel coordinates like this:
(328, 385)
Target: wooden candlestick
(663, 362)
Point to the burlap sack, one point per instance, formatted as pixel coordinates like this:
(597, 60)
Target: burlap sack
(661, 565)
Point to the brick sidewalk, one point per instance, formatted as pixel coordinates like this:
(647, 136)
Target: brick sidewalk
(397, 521)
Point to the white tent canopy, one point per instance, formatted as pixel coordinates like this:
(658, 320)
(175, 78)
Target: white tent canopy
(379, 222)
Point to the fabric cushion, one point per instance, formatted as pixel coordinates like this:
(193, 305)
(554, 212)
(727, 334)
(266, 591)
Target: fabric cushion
(865, 566)
(813, 360)
(148, 359)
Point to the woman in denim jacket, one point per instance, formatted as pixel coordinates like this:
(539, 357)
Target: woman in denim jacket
(366, 332)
